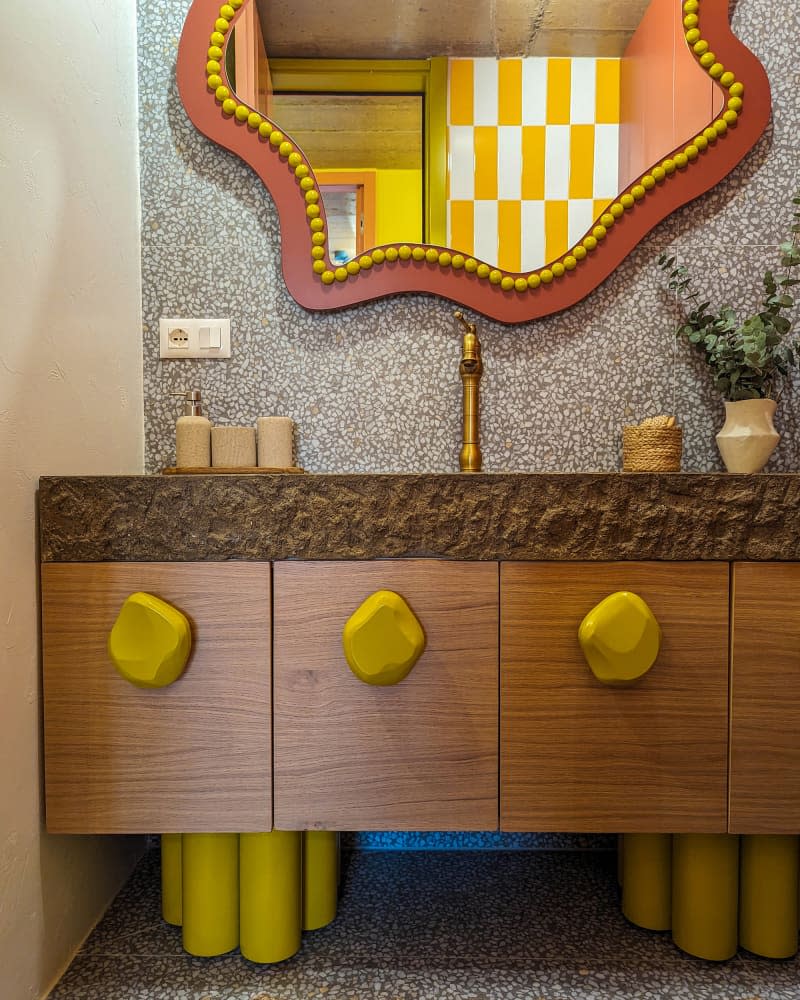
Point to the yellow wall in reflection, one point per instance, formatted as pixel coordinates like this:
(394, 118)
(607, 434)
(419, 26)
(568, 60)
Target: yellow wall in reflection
(398, 210)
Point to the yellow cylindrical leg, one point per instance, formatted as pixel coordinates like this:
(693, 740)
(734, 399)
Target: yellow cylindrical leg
(705, 890)
(171, 906)
(210, 893)
(768, 896)
(647, 880)
(270, 895)
(320, 878)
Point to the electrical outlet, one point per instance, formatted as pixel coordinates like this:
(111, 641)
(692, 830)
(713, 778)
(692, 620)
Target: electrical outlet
(195, 338)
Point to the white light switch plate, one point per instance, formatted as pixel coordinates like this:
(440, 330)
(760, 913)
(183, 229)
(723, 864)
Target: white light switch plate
(195, 338)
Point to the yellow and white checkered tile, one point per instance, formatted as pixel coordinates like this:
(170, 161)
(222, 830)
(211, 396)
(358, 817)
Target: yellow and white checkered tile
(533, 148)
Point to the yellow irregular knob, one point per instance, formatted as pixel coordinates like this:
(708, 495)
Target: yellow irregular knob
(382, 639)
(620, 638)
(150, 641)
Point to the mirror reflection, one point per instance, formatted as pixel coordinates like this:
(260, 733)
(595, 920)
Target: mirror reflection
(538, 119)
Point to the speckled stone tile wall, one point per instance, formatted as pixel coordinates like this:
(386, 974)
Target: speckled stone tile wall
(375, 387)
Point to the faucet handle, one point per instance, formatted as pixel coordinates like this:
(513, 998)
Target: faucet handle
(469, 327)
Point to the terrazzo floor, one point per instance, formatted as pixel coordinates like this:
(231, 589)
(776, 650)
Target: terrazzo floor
(429, 926)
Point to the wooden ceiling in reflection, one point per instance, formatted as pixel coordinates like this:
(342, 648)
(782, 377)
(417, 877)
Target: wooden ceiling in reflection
(418, 29)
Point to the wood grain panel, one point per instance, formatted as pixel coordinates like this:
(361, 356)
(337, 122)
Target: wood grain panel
(765, 699)
(420, 755)
(578, 755)
(194, 756)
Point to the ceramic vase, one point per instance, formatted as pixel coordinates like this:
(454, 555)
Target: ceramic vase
(748, 436)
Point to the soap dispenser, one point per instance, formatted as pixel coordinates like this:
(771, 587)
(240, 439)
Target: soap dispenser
(192, 433)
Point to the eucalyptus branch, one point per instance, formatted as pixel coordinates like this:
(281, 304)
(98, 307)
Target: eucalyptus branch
(750, 358)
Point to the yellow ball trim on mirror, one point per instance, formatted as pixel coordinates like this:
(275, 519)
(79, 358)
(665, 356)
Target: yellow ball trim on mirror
(445, 259)
(616, 211)
(295, 159)
(340, 274)
(212, 67)
(382, 640)
(700, 142)
(558, 269)
(229, 106)
(710, 134)
(214, 52)
(648, 182)
(328, 277)
(392, 253)
(353, 267)
(265, 130)
(418, 253)
(236, 4)
(720, 126)
(707, 59)
(730, 117)
(691, 152)
(716, 71)
(312, 196)
(691, 21)
(285, 149)
(579, 253)
(599, 232)
(221, 25)
(378, 256)
(319, 266)
(470, 265)
(306, 183)
(431, 255)
(620, 638)
(318, 238)
(627, 201)
(735, 104)
(727, 78)
(458, 261)
(312, 211)
(669, 167)
(217, 38)
(242, 112)
(150, 641)
(571, 262)
(607, 220)
(521, 284)
(495, 276)
(254, 119)
(506, 282)
(681, 160)
(222, 93)
(483, 270)
(317, 225)
(691, 7)
(404, 252)
(227, 12)
(659, 173)
(590, 243)
(214, 82)
(365, 262)
(317, 252)
(638, 192)
(692, 35)
(700, 47)
(275, 138)
(301, 171)
(534, 281)
(546, 275)
(736, 90)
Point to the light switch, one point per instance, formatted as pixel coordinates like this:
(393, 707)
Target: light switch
(195, 338)
(205, 337)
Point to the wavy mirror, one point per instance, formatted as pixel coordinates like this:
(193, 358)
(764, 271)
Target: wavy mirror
(505, 154)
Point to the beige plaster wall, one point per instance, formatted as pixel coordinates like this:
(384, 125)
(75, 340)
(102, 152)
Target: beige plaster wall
(70, 402)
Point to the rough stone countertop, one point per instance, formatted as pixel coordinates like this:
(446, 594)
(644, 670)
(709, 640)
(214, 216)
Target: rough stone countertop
(545, 516)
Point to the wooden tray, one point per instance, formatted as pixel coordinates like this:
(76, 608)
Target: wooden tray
(243, 471)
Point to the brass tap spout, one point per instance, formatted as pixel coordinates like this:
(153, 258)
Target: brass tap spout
(470, 370)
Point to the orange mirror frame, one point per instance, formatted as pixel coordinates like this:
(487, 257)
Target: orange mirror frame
(316, 283)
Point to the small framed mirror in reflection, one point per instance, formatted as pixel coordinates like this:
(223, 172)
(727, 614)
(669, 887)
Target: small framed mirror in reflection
(506, 156)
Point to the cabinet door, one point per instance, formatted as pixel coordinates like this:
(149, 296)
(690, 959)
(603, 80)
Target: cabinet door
(582, 756)
(194, 756)
(417, 755)
(765, 699)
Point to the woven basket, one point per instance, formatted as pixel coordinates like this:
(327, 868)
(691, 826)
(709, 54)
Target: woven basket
(651, 449)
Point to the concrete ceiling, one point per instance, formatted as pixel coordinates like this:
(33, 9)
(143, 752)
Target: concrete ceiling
(418, 29)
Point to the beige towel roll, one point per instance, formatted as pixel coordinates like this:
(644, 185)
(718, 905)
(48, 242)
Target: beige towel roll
(233, 447)
(275, 438)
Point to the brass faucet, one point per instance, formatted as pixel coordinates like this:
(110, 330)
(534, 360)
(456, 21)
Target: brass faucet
(470, 369)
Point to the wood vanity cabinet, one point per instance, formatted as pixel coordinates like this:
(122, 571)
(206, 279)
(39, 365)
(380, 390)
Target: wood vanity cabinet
(582, 756)
(194, 756)
(765, 699)
(418, 755)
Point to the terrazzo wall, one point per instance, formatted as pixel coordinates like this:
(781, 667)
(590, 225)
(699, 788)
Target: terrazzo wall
(375, 387)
